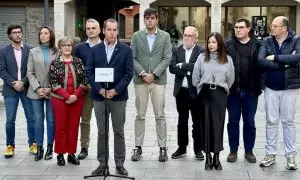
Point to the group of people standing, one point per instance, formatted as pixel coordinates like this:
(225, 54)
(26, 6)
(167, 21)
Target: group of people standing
(59, 84)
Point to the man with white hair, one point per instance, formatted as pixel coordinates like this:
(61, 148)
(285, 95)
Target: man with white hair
(182, 65)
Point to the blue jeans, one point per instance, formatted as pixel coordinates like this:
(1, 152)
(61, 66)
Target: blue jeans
(11, 106)
(39, 116)
(244, 103)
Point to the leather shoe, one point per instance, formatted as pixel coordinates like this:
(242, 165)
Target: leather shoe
(250, 157)
(49, 152)
(40, 153)
(208, 162)
(232, 156)
(216, 162)
(61, 160)
(73, 159)
(121, 170)
(83, 153)
(199, 156)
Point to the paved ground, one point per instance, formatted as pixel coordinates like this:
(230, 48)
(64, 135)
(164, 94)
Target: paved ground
(22, 166)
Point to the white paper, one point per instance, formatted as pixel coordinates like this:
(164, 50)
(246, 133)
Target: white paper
(104, 74)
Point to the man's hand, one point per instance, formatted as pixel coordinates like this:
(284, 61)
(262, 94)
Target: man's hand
(179, 65)
(110, 93)
(102, 92)
(148, 78)
(270, 57)
(71, 99)
(18, 85)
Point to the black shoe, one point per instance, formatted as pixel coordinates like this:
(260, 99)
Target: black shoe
(208, 162)
(199, 156)
(83, 153)
(73, 159)
(163, 156)
(49, 152)
(180, 152)
(121, 170)
(61, 160)
(232, 156)
(250, 157)
(216, 162)
(40, 153)
(100, 170)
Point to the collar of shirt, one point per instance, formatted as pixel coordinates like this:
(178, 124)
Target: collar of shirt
(22, 46)
(151, 34)
(90, 44)
(191, 49)
(107, 47)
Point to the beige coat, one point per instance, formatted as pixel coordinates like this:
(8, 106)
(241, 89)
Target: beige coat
(37, 71)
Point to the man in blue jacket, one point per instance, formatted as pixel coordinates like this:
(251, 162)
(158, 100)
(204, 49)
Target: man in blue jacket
(111, 54)
(13, 67)
(82, 51)
(279, 56)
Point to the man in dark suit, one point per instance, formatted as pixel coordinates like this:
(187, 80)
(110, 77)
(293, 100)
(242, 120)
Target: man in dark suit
(13, 67)
(182, 65)
(111, 54)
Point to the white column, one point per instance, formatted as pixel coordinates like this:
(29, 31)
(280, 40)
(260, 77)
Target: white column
(144, 4)
(216, 16)
(60, 15)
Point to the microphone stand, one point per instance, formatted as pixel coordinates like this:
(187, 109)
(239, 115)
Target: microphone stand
(106, 173)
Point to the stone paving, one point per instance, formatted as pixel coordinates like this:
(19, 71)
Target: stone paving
(22, 166)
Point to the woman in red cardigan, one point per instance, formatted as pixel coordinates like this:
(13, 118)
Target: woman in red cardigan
(68, 81)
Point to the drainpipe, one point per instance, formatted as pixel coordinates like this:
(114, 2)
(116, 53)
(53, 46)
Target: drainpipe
(46, 12)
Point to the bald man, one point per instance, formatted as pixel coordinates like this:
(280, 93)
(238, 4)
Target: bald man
(182, 65)
(279, 56)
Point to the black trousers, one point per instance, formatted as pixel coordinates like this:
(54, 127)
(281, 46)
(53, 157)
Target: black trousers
(185, 104)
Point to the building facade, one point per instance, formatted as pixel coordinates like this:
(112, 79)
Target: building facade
(67, 17)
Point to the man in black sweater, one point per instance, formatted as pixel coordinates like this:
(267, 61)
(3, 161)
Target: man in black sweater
(244, 93)
(82, 51)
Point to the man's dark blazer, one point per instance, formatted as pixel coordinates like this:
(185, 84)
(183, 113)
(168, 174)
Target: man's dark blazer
(178, 56)
(9, 69)
(122, 62)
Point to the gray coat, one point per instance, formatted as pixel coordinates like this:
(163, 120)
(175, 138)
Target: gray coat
(37, 71)
(156, 61)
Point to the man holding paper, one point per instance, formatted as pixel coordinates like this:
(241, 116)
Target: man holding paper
(115, 57)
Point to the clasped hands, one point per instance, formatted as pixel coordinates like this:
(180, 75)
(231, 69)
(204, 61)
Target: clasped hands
(43, 92)
(148, 78)
(18, 85)
(109, 93)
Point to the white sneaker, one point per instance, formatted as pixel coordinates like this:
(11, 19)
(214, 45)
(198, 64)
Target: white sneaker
(291, 163)
(268, 160)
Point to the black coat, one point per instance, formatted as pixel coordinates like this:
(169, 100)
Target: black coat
(255, 78)
(178, 56)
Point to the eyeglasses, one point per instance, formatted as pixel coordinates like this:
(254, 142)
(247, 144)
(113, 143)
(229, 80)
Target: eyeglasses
(16, 32)
(274, 26)
(188, 35)
(150, 17)
(239, 27)
(66, 45)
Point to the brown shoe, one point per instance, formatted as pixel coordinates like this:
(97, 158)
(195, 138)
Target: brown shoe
(232, 157)
(250, 157)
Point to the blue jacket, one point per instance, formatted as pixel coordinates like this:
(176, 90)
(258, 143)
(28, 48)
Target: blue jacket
(82, 52)
(122, 62)
(287, 61)
(9, 69)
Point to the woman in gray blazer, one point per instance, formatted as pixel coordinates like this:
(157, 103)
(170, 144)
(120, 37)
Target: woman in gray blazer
(38, 66)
